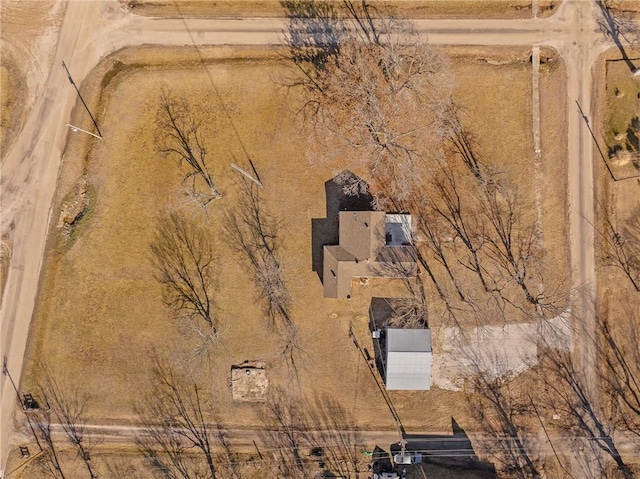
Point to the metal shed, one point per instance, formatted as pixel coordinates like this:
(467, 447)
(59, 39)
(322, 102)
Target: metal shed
(408, 359)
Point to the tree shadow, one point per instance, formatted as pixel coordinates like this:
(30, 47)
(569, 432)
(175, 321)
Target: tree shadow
(310, 437)
(380, 312)
(454, 450)
(632, 140)
(571, 396)
(619, 29)
(314, 31)
(622, 373)
(381, 461)
(325, 231)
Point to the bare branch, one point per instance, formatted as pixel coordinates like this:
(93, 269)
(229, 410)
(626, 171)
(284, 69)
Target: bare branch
(182, 254)
(68, 405)
(175, 426)
(178, 135)
(254, 233)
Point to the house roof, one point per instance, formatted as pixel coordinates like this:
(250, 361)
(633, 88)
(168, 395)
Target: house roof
(339, 268)
(371, 244)
(408, 359)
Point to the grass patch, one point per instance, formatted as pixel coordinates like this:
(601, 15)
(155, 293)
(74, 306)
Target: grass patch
(622, 130)
(400, 9)
(11, 99)
(116, 68)
(100, 309)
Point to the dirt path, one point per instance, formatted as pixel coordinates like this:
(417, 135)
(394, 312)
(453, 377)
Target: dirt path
(29, 33)
(537, 151)
(123, 436)
(91, 30)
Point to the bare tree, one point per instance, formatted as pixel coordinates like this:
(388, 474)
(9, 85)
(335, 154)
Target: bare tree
(51, 463)
(410, 311)
(569, 395)
(177, 439)
(67, 404)
(502, 414)
(182, 254)
(179, 136)
(253, 232)
(351, 184)
(373, 94)
(621, 374)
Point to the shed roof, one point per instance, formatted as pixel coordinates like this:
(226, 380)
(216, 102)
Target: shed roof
(408, 340)
(408, 361)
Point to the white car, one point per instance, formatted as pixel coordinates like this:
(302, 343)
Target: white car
(408, 458)
(386, 475)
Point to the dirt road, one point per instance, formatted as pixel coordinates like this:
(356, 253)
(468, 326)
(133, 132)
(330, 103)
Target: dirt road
(92, 29)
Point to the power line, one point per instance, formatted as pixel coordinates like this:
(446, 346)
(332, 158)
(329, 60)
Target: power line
(226, 111)
(81, 99)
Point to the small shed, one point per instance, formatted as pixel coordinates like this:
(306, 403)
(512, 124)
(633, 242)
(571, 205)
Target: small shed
(249, 382)
(408, 358)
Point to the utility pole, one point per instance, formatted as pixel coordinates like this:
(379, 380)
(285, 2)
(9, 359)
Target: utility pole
(81, 99)
(5, 371)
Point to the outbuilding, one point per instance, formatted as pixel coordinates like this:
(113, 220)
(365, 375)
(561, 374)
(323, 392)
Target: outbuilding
(407, 359)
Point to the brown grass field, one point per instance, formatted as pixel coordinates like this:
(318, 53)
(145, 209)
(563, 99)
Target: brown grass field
(10, 101)
(100, 312)
(400, 9)
(618, 302)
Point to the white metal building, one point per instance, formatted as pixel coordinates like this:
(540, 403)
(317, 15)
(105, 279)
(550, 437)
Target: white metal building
(408, 359)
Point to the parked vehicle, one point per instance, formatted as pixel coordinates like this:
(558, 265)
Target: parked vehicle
(386, 475)
(408, 458)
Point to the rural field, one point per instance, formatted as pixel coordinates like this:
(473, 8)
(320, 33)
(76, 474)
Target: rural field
(101, 319)
(176, 298)
(405, 9)
(618, 200)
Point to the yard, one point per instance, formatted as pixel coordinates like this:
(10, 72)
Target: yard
(100, 317)
(621, 144)
(618, 207)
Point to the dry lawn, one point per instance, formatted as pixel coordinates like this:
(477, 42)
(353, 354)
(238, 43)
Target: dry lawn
(496, 91)
(100, 311)
(403, 9)
(622, 120)
(122, 464)
(552, 174)
(10, 101)
(618, 302)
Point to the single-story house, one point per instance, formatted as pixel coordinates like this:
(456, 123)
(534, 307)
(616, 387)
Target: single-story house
(371, 244)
